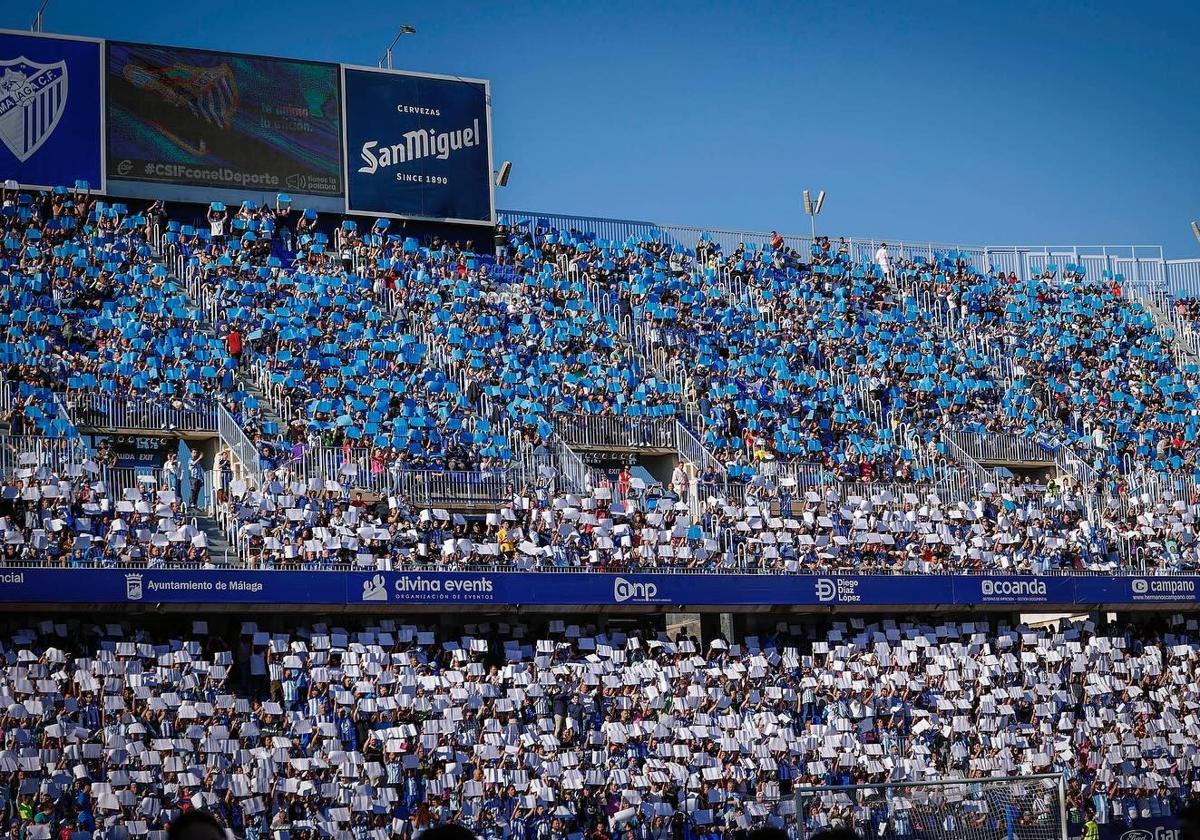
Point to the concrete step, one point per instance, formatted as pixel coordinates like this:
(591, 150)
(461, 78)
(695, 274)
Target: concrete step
(219, 547)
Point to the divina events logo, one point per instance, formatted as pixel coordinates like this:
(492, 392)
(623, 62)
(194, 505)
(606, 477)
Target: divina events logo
(415, 145)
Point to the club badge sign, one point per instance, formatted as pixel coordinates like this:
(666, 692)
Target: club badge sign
(51, 123)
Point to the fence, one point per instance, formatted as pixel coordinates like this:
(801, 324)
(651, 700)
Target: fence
(355, 468)
(1139, 263)
(30, 451)
(98, 411)
(1001, 447)
(589, 431)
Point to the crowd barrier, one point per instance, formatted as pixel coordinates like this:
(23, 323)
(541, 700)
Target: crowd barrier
(40, 586)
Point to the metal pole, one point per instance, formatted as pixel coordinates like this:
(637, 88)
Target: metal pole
(389, 57)
(1062, 804)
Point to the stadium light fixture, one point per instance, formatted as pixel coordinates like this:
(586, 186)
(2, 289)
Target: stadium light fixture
(502, 175)
(1196, 229)
(386, 61)
(37, 19)
(813, 208)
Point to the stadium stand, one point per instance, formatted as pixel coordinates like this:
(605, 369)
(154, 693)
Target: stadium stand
(565, 730)
(426, 387)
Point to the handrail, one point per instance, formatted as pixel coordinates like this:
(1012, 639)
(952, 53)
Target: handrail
(978, 474)
(745, 569)
(568, 464)
(233, 436)
(1000, 447)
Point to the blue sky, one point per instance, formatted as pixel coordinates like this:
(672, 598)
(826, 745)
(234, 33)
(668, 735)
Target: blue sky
(1016, 123)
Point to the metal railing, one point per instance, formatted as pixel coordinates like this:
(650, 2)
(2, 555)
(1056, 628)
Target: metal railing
(361, 469)
(234, 437)
(589, 431)
(142, 414)
(1139, 263)
(569, 466)
(975, 474)
(387, 564)
(1000, 447)
(32, 451)
(690, 448)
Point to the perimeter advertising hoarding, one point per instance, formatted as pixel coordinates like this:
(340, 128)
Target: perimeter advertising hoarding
(597, 589)
(418, 146)
(51, 122)
(222, 120)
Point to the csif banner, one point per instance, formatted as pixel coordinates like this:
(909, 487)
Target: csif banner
(418, 146)
(223, 120)
(51, 122)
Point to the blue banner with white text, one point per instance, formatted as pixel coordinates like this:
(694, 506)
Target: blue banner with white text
(418, 146)
(650, 591)
(50, 116)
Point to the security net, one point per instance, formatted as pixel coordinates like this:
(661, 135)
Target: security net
(1028, 808)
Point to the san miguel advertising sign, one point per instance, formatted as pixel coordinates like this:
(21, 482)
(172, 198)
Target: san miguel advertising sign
(418, 146)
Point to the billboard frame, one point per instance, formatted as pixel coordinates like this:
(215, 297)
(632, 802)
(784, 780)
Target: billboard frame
(487, 90)
(102, 71)
(186, 187)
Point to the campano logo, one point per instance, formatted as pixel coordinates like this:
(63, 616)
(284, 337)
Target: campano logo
(826, 589)
(626, 590)
(1140, 587)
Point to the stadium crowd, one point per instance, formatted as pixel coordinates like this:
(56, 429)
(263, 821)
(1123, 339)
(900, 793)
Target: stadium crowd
(70, 517)
(436, 357)
(57, 510)
(566, 731)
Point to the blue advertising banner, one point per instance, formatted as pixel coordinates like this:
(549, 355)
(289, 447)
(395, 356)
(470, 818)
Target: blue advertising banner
(51, 122)
(223, 120)
(1142, 828)
(504, 589)
(418, 146)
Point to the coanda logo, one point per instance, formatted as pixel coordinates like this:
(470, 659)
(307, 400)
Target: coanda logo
(826, 589)
(1137, 834)
(133, 587)
(32, 100)
(624, 590)
(1017, 588)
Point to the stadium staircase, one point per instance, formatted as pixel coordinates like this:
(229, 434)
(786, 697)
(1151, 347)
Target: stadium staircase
(220, 549)
(1184, 341)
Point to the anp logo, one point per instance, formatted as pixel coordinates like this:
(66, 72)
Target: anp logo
(826, 589)
(133, 587)
(625, 590)
(375, 589)
(32, 100)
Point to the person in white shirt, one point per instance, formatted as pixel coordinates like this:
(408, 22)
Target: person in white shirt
(885, 263)
(172, 471)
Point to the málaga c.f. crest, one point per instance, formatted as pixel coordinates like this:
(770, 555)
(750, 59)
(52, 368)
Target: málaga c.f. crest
(32, 100)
